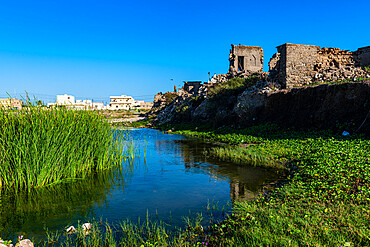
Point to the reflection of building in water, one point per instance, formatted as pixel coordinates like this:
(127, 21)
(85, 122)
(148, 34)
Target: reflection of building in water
(245, 182)
(240, 192)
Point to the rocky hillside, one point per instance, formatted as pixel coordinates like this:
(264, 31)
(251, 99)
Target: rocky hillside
(253, 100)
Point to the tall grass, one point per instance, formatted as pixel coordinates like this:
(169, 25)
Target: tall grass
(243, 156)
(40, 147)
(127, 233)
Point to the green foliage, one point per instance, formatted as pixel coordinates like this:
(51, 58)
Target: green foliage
(367, 68)
(149, 233)
(42, 147)
(340, 81)
(294, 223)
(233, 86)
(242, 156)
(182, 108)
(325, 201)
(170, 96)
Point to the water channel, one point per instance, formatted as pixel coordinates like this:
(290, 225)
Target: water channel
(171, 178)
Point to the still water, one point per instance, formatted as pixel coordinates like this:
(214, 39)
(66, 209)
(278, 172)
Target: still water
(170, 178)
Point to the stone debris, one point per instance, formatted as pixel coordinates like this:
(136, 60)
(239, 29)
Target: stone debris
(71, 229)
(25, 243)
(22, 243)
(86, 226)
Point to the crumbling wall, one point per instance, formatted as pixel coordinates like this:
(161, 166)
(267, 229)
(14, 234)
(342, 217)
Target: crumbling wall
(363, 56)
(334, 64)
(299, 65)
(293, 64)
(192, 87)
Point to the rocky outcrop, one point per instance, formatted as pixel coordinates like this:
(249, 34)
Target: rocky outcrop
(289, 94)
(161, 101)
(315, 106)
(320, 106)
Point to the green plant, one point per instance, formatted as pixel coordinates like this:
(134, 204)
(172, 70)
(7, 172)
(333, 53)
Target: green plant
(233, 86)
(42, 147)
(323, 201)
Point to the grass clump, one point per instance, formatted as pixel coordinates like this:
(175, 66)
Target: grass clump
(149, 232)
(42, 147)
(241, 156)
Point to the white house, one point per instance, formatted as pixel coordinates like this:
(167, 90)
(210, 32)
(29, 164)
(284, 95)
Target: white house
(98, 106)
(121, 102)
(65, 99)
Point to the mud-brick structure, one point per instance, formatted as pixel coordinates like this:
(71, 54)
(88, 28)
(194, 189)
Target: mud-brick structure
(246, 59)
(297, 65)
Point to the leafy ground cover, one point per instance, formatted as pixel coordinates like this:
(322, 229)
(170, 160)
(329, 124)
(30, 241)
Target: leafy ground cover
(325, 201)
(233, 86)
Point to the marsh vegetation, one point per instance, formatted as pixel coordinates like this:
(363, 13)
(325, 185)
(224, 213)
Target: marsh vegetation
(43, 147)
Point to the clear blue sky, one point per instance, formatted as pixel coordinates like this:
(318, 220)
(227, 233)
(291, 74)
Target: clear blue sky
(93, 49)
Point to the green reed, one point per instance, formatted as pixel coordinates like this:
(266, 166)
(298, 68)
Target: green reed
(41, 147)
(243, 156)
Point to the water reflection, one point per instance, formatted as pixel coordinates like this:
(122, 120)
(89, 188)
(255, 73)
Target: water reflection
(245, 181)
(176, 178)
(57, 206)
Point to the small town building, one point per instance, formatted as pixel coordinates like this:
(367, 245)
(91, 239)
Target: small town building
(122, 102)
(98, 106)
(146, 105)
(11, 103)
(65, 99)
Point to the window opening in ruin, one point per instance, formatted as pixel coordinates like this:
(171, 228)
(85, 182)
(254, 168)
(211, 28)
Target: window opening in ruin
(240, 63)
(254, 60)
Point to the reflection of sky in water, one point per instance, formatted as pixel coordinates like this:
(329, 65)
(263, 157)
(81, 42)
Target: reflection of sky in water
(176, 177)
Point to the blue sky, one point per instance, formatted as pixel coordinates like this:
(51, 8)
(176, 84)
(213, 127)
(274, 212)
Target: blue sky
(93, 49)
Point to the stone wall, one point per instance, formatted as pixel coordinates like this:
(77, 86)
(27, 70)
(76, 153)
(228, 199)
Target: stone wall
(293, 65)
(299, 65)
(363, 56)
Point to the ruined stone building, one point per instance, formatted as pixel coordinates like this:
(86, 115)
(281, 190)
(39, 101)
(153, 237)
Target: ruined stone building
(293, 65)
(246, 59)
(191, 87)
(298, 65)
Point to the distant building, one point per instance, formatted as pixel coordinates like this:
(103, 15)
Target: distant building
(138, 103)
(122, 102)
(11, 103)
(98, 106)
(83, 105)
(65, 99)
(146, 105)
(70, 102)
